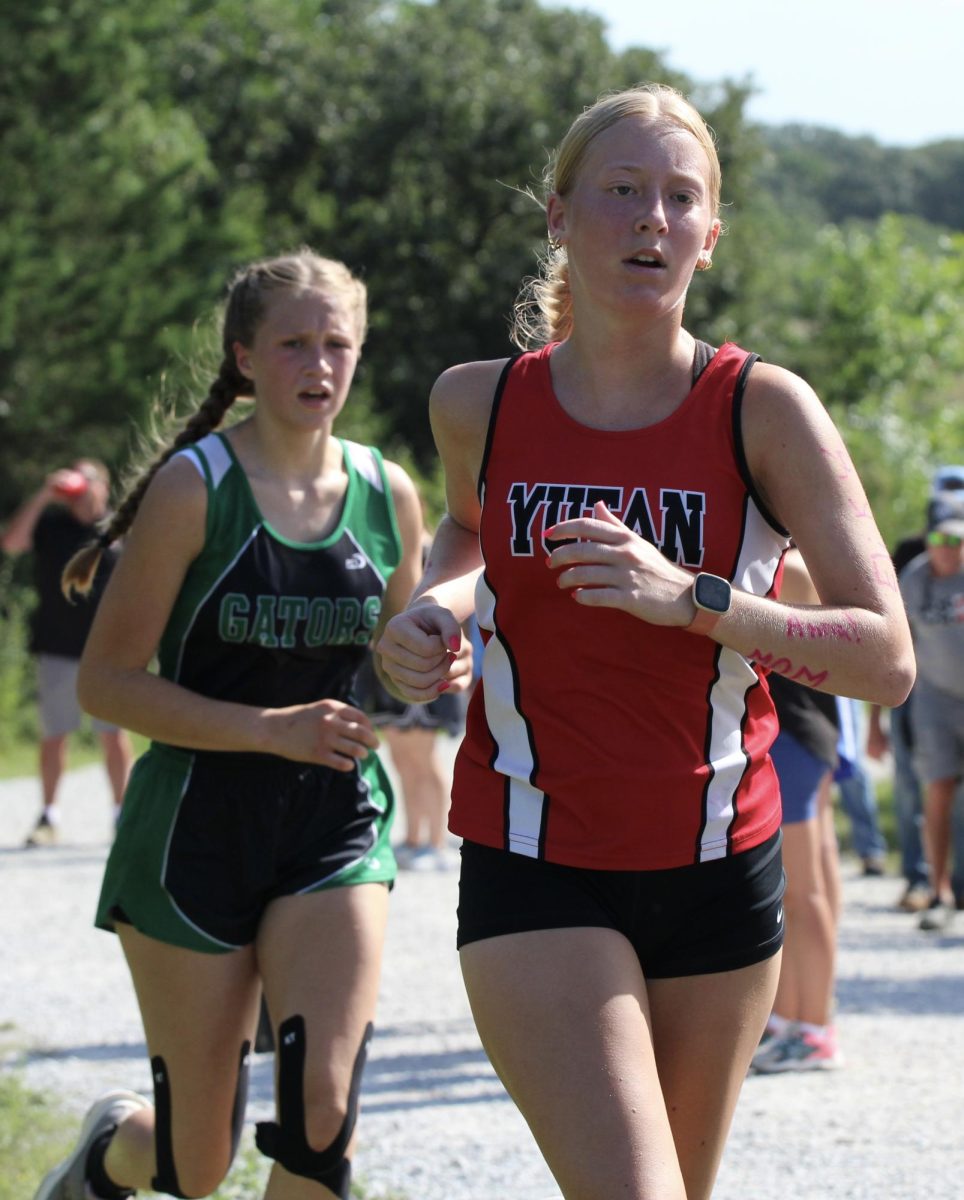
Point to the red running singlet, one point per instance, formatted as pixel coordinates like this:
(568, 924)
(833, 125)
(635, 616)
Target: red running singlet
(595, 739)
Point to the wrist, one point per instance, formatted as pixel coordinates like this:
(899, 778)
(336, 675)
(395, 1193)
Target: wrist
(712, 596)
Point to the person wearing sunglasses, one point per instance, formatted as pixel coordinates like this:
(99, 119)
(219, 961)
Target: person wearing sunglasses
(932, 586)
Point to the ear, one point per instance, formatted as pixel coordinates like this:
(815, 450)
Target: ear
(242, 357)
(556, 218)
(713, 235)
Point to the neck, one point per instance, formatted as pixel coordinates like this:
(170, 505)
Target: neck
(288, 455)
(623, 377)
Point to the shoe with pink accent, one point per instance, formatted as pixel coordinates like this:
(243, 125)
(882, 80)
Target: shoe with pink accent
(801, 1050)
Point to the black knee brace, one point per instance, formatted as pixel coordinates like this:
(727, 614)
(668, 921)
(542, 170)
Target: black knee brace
(285, 1140)
(166, 1178)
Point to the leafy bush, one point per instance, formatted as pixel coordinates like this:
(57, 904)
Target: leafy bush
(18, 719)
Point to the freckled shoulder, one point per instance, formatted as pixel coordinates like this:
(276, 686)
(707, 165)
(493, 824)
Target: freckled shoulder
(460, 408)
(461, 399)
(789, 438)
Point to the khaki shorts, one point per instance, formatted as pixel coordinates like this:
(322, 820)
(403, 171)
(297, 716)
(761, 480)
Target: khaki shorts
(938, 722)
(60, 713)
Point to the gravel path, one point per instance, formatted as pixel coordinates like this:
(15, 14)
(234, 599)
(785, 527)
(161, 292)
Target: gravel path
(436, 1124)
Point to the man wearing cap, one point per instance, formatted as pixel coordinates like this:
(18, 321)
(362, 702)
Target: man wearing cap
(932, 585)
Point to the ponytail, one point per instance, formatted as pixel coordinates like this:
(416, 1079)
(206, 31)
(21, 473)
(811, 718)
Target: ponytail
(543, 310)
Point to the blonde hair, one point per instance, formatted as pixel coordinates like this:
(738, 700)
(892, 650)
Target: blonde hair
(543, 311)
(247, 301)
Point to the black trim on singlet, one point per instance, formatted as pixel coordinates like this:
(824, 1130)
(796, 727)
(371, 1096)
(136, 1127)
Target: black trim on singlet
(490, 432)
(742, 465)
(497, 633)
(703, 354)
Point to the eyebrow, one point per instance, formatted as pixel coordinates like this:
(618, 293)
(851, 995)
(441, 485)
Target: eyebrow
(638, 169)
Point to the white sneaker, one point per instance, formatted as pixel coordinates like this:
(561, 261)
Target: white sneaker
(68, 1180)
(937, 917)
(429, 858)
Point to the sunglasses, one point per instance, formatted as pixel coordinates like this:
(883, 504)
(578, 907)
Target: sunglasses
(944, 539)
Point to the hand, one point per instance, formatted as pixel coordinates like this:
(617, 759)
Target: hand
(423, 652)
(612, 567)
(878, 743)
(327, 732)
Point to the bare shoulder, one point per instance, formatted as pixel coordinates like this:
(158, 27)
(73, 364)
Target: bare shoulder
(774, 396)
(790, 440)
(404, 492)
(461, 398)
(175, 500)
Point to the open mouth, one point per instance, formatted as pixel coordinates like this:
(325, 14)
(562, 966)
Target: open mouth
(651, 261)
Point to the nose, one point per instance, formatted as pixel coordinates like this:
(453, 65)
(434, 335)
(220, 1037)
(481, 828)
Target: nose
(318, 361)
(651, 213)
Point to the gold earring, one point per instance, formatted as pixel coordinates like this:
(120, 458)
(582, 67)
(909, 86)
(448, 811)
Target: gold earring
(704, 262)
(555, 243)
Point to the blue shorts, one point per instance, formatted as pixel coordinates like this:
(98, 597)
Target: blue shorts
(693, 920)
(800, 774)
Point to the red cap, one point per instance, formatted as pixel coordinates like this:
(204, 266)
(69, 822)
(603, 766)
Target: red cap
(71, 484)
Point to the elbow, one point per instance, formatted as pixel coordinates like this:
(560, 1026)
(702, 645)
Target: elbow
(91, 691)
(894, 687)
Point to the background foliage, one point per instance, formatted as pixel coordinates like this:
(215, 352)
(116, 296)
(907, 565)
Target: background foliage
(148, 150)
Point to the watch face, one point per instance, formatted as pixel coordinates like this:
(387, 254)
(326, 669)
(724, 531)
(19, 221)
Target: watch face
(712, 592)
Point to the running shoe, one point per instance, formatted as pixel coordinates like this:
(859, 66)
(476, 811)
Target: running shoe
(771, 1035)
(404, 853)
(423, 859)
(44, 833)
(915, 898)
(68, 1180)
(800, 1050)
(936, 917)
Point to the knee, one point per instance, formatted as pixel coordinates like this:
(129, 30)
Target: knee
(317, 1112)
(200, 1174)
(193, 1161)
(326, 1114)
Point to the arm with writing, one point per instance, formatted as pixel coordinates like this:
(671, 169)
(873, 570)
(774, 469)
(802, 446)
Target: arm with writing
(854, 641)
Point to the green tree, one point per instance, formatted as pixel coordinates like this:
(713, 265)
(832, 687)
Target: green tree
(96, 232)
(875, 327)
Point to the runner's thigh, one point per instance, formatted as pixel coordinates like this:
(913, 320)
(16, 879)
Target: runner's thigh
(563, 1015)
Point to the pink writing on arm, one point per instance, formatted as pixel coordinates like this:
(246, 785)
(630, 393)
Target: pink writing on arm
(841, 459)
(784, 666)
(841, 630)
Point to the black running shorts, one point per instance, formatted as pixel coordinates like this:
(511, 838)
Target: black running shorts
(692, 920)
(205, 842)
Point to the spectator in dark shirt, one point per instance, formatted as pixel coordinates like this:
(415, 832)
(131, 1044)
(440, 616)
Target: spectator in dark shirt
(54, 523)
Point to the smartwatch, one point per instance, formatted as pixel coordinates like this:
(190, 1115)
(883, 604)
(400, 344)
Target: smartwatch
(711, 595)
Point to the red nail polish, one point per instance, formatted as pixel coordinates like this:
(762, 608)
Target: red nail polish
(444, 686)
(455, 642)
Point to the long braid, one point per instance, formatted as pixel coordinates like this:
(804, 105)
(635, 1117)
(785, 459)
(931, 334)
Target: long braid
(78, 575)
